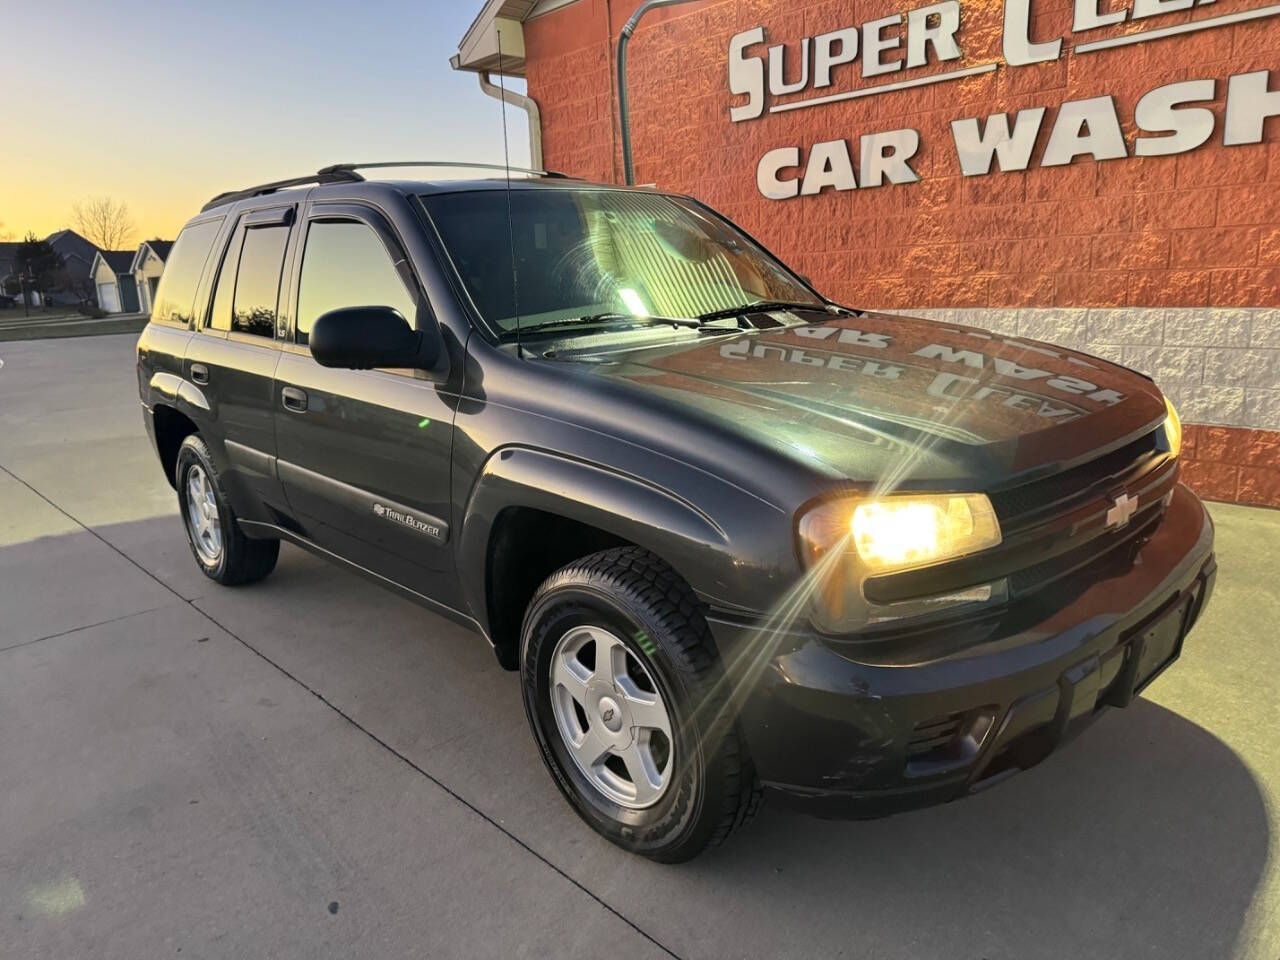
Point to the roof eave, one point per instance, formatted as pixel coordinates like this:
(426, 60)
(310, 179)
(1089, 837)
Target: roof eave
(481, 49)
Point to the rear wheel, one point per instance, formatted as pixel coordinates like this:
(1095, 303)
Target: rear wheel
(623, 694)
(221, 550)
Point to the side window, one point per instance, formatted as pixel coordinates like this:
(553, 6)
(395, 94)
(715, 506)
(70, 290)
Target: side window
(253, 308)
(220, 314)
(345, 264)
(176, 295)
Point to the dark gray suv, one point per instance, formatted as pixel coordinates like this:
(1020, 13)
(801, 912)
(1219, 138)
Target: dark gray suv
(736, 538)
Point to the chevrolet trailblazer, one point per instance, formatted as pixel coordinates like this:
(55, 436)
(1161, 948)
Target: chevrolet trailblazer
(737, 539)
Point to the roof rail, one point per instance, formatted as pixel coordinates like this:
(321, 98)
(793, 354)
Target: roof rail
(352, 167)
(337, 174)
(346, 173)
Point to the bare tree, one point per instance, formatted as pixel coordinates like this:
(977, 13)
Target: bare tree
(103, 222)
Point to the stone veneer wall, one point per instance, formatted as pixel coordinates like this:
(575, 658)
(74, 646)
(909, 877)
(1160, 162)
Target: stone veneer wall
(1221, 368)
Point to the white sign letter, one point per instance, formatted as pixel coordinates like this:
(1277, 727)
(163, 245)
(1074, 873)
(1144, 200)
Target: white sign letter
(975, 148)
(746, 75)
(1151, 8)
(1085, 126)
(1249, 103)
(771, 164)
(886, 155)
(824, 58)
(1088, 18)
(778, 85)
(943, 36)
(1190, 127)
(874, 44)
(1018, 48)
(829, 166)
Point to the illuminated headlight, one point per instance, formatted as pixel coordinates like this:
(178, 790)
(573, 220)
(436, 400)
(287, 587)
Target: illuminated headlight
(848, 541)
(1172, 428)
(902, 531)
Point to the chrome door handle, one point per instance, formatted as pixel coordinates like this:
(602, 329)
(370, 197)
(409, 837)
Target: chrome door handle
(294, 399)
(199, 373)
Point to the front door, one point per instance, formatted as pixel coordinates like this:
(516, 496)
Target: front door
(364, 455)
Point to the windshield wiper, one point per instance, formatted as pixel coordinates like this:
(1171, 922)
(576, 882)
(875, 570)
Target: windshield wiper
(606, 317)
(764, 306)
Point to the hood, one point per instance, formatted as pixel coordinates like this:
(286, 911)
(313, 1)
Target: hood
(928, 402)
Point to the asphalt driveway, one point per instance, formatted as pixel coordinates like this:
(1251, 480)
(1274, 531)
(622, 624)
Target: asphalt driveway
(312, 767)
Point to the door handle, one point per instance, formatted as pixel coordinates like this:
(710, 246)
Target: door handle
(199, 373)
(294, 399)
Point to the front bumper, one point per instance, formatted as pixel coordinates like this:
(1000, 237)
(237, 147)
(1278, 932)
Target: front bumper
(846, 730)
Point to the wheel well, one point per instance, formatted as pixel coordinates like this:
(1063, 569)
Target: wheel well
(525, 547)
(172, 428)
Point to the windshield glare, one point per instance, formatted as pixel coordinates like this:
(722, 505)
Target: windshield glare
(587, 252)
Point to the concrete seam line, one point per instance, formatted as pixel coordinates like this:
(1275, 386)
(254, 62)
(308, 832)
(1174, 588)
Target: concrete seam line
(372, 736)
(73, 630)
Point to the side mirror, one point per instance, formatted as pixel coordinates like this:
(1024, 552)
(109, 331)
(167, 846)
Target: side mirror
(361, 338)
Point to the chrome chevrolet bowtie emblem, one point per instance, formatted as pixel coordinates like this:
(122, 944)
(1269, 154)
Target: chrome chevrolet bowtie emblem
(1122, 509)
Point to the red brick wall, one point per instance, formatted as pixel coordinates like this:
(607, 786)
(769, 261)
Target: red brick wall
(1196, 229)
(1200, 228)
(1233, 464)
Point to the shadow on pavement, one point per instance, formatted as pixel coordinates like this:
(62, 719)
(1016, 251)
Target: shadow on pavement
(1147, 836)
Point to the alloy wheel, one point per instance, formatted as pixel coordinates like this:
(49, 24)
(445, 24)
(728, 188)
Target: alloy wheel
(203, 522)
(611, 717)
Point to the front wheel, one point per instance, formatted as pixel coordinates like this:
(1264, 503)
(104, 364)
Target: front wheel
(627, 704)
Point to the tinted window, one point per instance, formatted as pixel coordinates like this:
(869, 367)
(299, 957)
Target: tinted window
(220, 315)
(345, 264)
(176, 295)
(258, 281)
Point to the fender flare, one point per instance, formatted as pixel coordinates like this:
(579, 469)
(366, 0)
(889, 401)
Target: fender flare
(169, 389)
(619, 504)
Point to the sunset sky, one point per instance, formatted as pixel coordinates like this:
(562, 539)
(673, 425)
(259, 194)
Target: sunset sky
(161, 105)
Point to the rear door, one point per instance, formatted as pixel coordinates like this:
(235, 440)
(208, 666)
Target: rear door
(233, 356)
(364, 455)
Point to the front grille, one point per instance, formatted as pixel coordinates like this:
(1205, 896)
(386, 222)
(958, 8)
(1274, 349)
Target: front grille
(1017, 506)
(1117, 548)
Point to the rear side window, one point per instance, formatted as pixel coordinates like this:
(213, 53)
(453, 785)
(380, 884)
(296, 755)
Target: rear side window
(175, 297)
(220, 314)
(258, 281)
(345, 264)
(248, 287)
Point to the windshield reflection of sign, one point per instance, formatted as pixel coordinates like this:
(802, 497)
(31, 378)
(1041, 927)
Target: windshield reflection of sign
(930, 381)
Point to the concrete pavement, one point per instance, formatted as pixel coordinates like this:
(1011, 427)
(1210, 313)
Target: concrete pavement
(312, 767)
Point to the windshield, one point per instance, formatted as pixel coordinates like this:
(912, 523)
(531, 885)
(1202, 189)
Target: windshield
(608, 255)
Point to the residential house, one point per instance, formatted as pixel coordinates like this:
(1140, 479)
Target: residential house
(148, 264)
(77, 255)
(112, 276)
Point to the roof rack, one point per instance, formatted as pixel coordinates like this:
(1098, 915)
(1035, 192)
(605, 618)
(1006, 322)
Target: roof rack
(346, 173)
(352, 167)
(327, 175)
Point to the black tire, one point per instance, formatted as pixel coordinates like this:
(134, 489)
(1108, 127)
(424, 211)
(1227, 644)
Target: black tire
(640, 600)
(241, 559)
